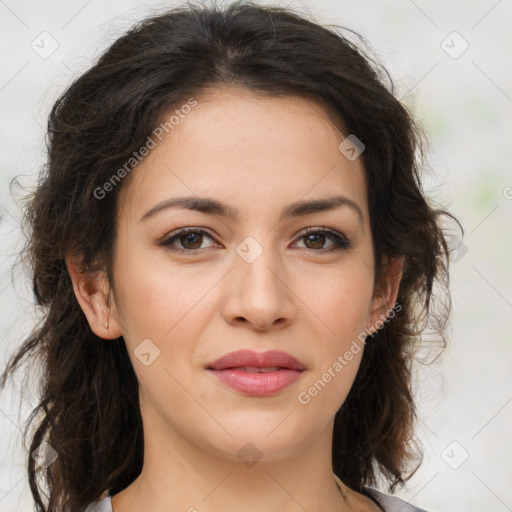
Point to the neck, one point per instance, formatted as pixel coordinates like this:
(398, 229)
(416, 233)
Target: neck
(177, 471)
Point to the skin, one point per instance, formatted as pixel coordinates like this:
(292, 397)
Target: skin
(257, 155)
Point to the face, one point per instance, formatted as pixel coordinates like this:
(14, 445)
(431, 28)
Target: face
(257, 277)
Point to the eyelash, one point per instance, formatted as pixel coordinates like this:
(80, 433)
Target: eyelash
(340, 241)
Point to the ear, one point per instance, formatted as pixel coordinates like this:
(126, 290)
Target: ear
(92, 292)
(385, 293)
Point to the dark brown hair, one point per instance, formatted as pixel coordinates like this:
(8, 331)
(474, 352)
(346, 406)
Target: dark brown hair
(89, 410)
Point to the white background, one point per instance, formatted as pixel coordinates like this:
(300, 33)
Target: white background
(465, 103)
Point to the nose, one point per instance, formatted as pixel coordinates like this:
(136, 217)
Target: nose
(258, 293)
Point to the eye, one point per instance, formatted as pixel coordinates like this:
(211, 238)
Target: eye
(189, 238)
(316, 238)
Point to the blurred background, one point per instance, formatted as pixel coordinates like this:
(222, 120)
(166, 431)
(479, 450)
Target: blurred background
(450, 61)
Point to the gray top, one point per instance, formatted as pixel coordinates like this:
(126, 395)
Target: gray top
(386, 503)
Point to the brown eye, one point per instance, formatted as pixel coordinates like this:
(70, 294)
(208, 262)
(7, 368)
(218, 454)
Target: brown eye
(317, 241)
(189, 239)
(316, 238)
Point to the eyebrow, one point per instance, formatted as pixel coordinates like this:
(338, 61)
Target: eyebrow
(210, 206)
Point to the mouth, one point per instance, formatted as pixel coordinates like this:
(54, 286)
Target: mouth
(257, 374)
(256, 369)
(251, 361)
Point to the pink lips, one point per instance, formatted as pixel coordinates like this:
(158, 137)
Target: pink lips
(244, 371)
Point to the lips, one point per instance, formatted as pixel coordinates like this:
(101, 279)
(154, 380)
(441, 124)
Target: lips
(257, 373)
(251, 361)
(256, 369)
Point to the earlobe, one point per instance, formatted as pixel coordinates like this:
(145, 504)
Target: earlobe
(92, 293)
(385, 293)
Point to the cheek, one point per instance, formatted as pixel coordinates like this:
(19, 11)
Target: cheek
(153, 295)
(167, 305)
(341, 298)
(341, 305)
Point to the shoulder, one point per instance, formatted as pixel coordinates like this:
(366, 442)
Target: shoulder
(390, 503)
(102, 505)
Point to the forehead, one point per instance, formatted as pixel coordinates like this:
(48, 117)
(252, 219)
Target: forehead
(254, 152)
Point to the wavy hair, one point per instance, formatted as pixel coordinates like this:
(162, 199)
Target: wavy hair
(88, 409)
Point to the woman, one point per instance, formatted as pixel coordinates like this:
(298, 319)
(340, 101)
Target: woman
(235, 259)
